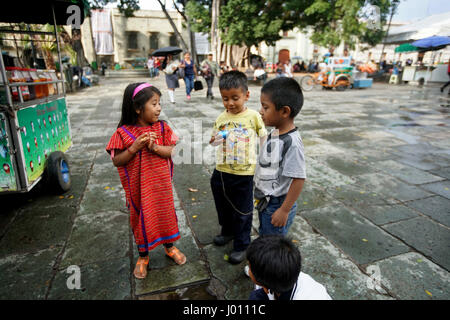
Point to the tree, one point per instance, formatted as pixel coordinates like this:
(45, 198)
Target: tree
(174, 27)
(250, 22)
(339, 20)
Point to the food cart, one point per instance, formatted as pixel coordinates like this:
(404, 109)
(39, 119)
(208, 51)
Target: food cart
(338, 74)
(34, 121)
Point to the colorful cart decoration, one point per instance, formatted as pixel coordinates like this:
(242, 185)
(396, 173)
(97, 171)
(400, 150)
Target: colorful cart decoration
(34, 129)
(337, 74)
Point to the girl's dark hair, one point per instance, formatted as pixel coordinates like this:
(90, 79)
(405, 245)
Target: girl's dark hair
(284, 91)
(131, 105)
(275, 262)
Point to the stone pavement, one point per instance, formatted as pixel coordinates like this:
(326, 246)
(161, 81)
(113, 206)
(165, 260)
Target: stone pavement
(376, 204)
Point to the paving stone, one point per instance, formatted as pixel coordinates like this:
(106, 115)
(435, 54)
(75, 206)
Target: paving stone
(407, 173)
(426, 236)
(166, 279)
(204, 221)
(329, 266)
(319, 174)
(238, 285)
(37, 228)
(424, 162)
(442, 172)
(102, 197)
(411, 276)
(312, 197)
(437, 208)
(441, 188)
(104, 280)
(348, 166)
(27, 276)
(355, 195)
(353, 234)
(391, 187)
(96, 236)
(386, 214)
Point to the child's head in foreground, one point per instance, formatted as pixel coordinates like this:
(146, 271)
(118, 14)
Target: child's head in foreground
(140, 104)
(281, 101)
(234, 91)
(274, 262)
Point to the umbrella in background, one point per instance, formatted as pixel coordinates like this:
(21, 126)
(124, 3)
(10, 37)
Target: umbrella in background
(161, 52)
(406, 47)
(431, 44)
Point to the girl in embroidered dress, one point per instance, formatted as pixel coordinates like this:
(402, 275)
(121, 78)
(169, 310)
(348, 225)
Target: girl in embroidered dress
(141, 149)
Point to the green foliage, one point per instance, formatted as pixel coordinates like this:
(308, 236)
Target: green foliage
(127, 7)
(338, 20)
(251, 22)
(199, 15)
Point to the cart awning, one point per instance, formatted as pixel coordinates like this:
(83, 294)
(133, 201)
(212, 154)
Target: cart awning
(40, 12)
(406, 47)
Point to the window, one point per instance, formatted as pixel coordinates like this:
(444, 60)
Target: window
(173, 41)
(132, 40)
(154, 38)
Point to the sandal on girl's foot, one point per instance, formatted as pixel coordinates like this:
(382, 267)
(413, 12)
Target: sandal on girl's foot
(140, 271)
(175, 254)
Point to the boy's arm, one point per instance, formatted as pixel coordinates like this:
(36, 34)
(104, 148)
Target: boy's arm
(279, 217)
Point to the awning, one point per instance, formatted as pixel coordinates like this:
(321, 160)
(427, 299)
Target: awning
(406, 47)
(40, 12)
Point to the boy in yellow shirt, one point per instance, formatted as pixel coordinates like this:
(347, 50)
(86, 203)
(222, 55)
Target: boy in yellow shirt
(235, 133)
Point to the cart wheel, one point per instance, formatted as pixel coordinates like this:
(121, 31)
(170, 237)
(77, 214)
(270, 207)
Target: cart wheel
(307, 83)
(58, 172)
(342, 85)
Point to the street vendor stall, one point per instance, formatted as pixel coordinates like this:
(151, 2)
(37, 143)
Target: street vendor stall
(421, 73)
(34, 122)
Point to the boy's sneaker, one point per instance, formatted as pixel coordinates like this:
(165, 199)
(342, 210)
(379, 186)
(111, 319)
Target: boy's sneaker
(237, 257)
(188, 97)
(221, 240)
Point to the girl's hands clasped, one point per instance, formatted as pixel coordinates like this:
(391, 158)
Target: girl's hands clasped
(140, 143)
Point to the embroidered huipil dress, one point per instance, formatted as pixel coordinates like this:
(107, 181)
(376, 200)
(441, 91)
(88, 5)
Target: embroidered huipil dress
(147, 181)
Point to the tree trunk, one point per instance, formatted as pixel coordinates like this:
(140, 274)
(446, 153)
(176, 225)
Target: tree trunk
(215, 30)
(76, 44)
(175, 29)
(49, 60)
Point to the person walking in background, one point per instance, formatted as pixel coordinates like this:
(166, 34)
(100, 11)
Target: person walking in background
(288, 69)
(260, 74)
(448, 82)
(151, 66)
(156, 65)
(210, 69)
(170, 67)
(190, 72)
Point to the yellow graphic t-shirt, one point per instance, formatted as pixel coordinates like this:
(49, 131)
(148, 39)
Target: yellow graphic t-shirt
(237, 152)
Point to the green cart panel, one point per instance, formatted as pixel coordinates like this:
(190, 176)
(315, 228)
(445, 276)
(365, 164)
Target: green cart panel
(7, 174)
(44, 129)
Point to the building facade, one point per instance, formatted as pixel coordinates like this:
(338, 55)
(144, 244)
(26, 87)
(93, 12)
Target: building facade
(135, 38)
